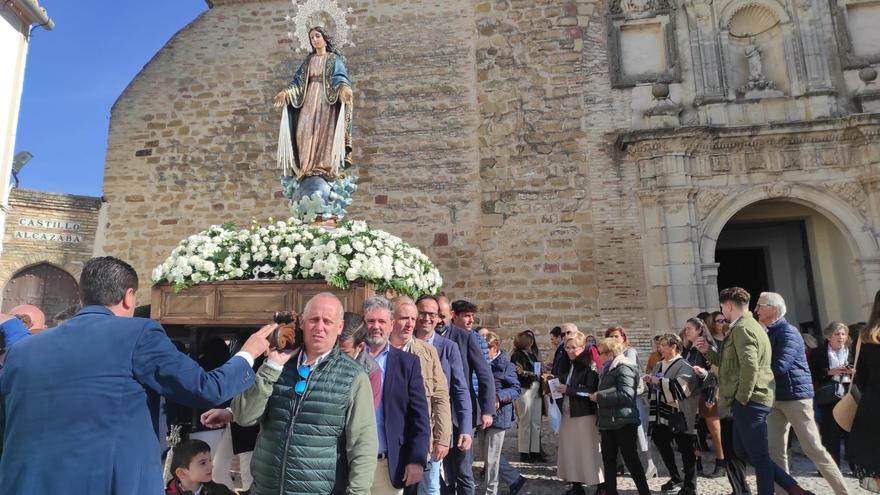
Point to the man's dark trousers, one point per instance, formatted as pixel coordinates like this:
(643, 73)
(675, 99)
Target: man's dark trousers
(458, 465)
(750, 442)
(735, 467)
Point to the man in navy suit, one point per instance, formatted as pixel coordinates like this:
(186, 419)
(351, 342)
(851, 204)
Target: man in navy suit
(460, 398)
(402, 420)
(80, 402)
(458, 464)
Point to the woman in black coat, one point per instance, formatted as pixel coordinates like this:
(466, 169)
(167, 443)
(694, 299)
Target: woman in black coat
(831, 366)
(861, 447)
(578, 457)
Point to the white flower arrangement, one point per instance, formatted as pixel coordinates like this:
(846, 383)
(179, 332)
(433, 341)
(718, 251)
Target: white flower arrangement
(291, 249)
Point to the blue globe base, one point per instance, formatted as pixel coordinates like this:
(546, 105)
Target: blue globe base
(316, 198)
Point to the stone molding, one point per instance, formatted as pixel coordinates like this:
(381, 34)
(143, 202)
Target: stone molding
(664, 16)
(849, 60)
(852, 130)
(846, 217)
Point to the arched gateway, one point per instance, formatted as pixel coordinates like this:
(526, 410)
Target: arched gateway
(43, 285)
(807, 244)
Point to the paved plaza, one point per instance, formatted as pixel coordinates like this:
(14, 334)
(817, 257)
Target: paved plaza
(543, 481)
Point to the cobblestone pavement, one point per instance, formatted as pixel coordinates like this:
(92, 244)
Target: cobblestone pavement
(542, 478)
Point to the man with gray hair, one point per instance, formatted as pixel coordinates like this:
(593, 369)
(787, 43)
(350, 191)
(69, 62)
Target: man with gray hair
(793, 405)
(402, 417)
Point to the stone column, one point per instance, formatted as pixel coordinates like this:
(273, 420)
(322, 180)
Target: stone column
(709, 289)
(705, 51)
(818, 78)
(671, 251)
(868, 275)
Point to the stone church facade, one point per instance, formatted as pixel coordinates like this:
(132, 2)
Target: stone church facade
(560, 161)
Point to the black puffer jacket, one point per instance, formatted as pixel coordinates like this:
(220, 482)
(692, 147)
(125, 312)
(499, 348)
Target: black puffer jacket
(617, 395)
(584, 380)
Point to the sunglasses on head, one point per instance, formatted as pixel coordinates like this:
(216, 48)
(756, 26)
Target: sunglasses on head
(304, 372)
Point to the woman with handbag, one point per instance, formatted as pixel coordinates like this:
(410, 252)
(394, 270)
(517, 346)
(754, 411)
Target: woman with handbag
(861, 447)
(831, 367)
(675, 388)
(708, 410)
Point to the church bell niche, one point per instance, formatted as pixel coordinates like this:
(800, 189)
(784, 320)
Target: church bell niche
(641, 42)
(756, 51)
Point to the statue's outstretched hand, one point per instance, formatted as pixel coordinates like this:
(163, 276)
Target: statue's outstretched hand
(345, 95)
(281, 98)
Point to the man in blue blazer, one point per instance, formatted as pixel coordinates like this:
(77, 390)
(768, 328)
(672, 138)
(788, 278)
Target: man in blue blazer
(80, 402)
(458, 464)
(402, 420)
(460, 398)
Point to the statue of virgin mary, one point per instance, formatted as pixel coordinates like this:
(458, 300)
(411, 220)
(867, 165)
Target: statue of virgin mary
(315, 137)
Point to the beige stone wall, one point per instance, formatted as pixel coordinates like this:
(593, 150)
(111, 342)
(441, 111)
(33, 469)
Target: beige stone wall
(469, 144)
(488, 134)
(59, 229)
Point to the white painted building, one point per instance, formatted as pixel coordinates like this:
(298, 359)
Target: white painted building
(17, 19)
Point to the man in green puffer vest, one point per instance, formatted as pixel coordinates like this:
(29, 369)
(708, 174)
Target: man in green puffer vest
(316, 415)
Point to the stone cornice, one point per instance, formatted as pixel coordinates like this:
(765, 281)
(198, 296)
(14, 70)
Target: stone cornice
(858, 127)
(26, 197)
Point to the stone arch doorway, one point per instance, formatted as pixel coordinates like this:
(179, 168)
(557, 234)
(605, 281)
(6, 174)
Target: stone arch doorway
(43, 285)
(827, 246)
(786, 247)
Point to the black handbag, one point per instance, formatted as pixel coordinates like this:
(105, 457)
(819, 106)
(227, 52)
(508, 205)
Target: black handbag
(828, 394)
(677, 422)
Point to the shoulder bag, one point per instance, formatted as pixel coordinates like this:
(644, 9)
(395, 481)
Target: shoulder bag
(845, 410)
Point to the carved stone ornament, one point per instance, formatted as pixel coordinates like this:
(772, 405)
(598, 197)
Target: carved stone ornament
(778, 190)
(636, 7)
(851, 192)
(707, 199)
(757, 86)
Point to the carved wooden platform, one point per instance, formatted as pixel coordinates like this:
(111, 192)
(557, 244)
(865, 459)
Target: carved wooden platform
(239, 302)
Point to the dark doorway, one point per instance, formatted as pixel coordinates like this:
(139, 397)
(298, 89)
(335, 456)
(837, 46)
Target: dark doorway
(45, 286)
(773, 256)
(743, 267)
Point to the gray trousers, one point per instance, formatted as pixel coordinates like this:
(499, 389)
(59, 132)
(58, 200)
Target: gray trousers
(798, 415)
(490, 443)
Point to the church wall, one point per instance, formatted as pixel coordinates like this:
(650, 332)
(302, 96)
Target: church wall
(502, 138)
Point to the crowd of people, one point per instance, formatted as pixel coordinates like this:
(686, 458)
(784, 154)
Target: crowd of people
(402, 396)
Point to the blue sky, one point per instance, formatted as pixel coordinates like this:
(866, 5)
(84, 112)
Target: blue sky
(75, 72)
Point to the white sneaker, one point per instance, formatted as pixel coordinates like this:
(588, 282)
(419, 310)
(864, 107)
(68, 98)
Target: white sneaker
(651, 471)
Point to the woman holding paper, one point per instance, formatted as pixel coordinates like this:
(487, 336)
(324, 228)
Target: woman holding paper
(528, 406)
(619, 416)
(578, 458)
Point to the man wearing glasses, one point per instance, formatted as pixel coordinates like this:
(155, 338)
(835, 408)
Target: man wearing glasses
(315, 409)
(746, 387)
(460, 399)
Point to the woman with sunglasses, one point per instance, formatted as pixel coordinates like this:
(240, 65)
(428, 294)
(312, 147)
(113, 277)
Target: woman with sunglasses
(618, 416)
(718, 327)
